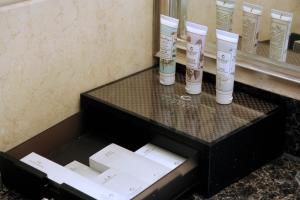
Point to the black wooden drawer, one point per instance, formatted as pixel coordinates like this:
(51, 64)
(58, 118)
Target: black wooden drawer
(221, 144)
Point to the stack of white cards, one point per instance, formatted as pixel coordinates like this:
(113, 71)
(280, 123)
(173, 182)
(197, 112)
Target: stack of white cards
(121, 159)
(61, 175)
(114, 172)
(112, 179)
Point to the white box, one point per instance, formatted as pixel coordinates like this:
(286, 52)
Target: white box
(83, 170)
(119, 158)
(121, 183)
(161, 156)
(59, 174)
(114, 180)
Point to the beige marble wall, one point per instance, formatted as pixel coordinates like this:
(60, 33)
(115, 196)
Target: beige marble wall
(52, 50)
(204, 12)
(296, 22)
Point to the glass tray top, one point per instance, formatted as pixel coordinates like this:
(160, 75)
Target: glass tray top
(198, 116)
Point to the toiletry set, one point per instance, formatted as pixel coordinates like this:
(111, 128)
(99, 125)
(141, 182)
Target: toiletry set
(196, 39)
(227, 43)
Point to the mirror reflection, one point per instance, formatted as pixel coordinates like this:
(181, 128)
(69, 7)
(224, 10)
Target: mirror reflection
(267, 28)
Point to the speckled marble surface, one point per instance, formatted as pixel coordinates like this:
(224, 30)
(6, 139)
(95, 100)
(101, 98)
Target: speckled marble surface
(275, 180)
(293, 127)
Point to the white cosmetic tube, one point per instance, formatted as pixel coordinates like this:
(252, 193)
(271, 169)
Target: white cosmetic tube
(226, 57)
(225, 10)
(280, 33)
(196, 39)
(251, 27)
(168, 37)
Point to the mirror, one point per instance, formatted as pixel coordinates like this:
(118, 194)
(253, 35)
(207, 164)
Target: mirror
(269, 30)
(205, 12)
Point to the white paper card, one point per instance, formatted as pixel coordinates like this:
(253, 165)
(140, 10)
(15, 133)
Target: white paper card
(121, 183)
(59, 174)
(114, 180)
(119, 158)
(161, 156)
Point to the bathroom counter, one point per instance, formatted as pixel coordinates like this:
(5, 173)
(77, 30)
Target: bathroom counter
(273, 181)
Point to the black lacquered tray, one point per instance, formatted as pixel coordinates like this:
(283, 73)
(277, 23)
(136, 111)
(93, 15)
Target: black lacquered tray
(198, 116)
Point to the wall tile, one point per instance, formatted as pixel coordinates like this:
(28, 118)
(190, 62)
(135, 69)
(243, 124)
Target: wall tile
(52, 50)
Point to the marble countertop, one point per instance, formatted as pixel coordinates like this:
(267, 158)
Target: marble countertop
(275, 180)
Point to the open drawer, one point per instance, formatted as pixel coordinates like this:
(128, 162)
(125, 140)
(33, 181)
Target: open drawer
(67, 142)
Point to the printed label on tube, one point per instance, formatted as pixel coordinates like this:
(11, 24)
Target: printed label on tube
(193, 56)
(166, 49)
(280, 32)
(168, 37)
(251, 25)
(225, 9)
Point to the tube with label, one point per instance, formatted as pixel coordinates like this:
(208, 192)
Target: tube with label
(251, 26)
(280, 33)
(168, 37)
(225, 10)
(226, 57)
(196, 39)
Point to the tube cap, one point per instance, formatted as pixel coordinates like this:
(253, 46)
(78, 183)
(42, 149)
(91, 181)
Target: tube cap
(167, 79)
(223, 98)
(193, 88)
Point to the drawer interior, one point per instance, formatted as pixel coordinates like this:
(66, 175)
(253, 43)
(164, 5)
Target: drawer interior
(64, 144)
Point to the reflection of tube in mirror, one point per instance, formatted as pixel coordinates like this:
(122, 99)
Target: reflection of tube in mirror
(226, 57)
(225, 10)
(182, 18)
(251, 25)
(196, 39)
(280, 33)
(168, 37)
